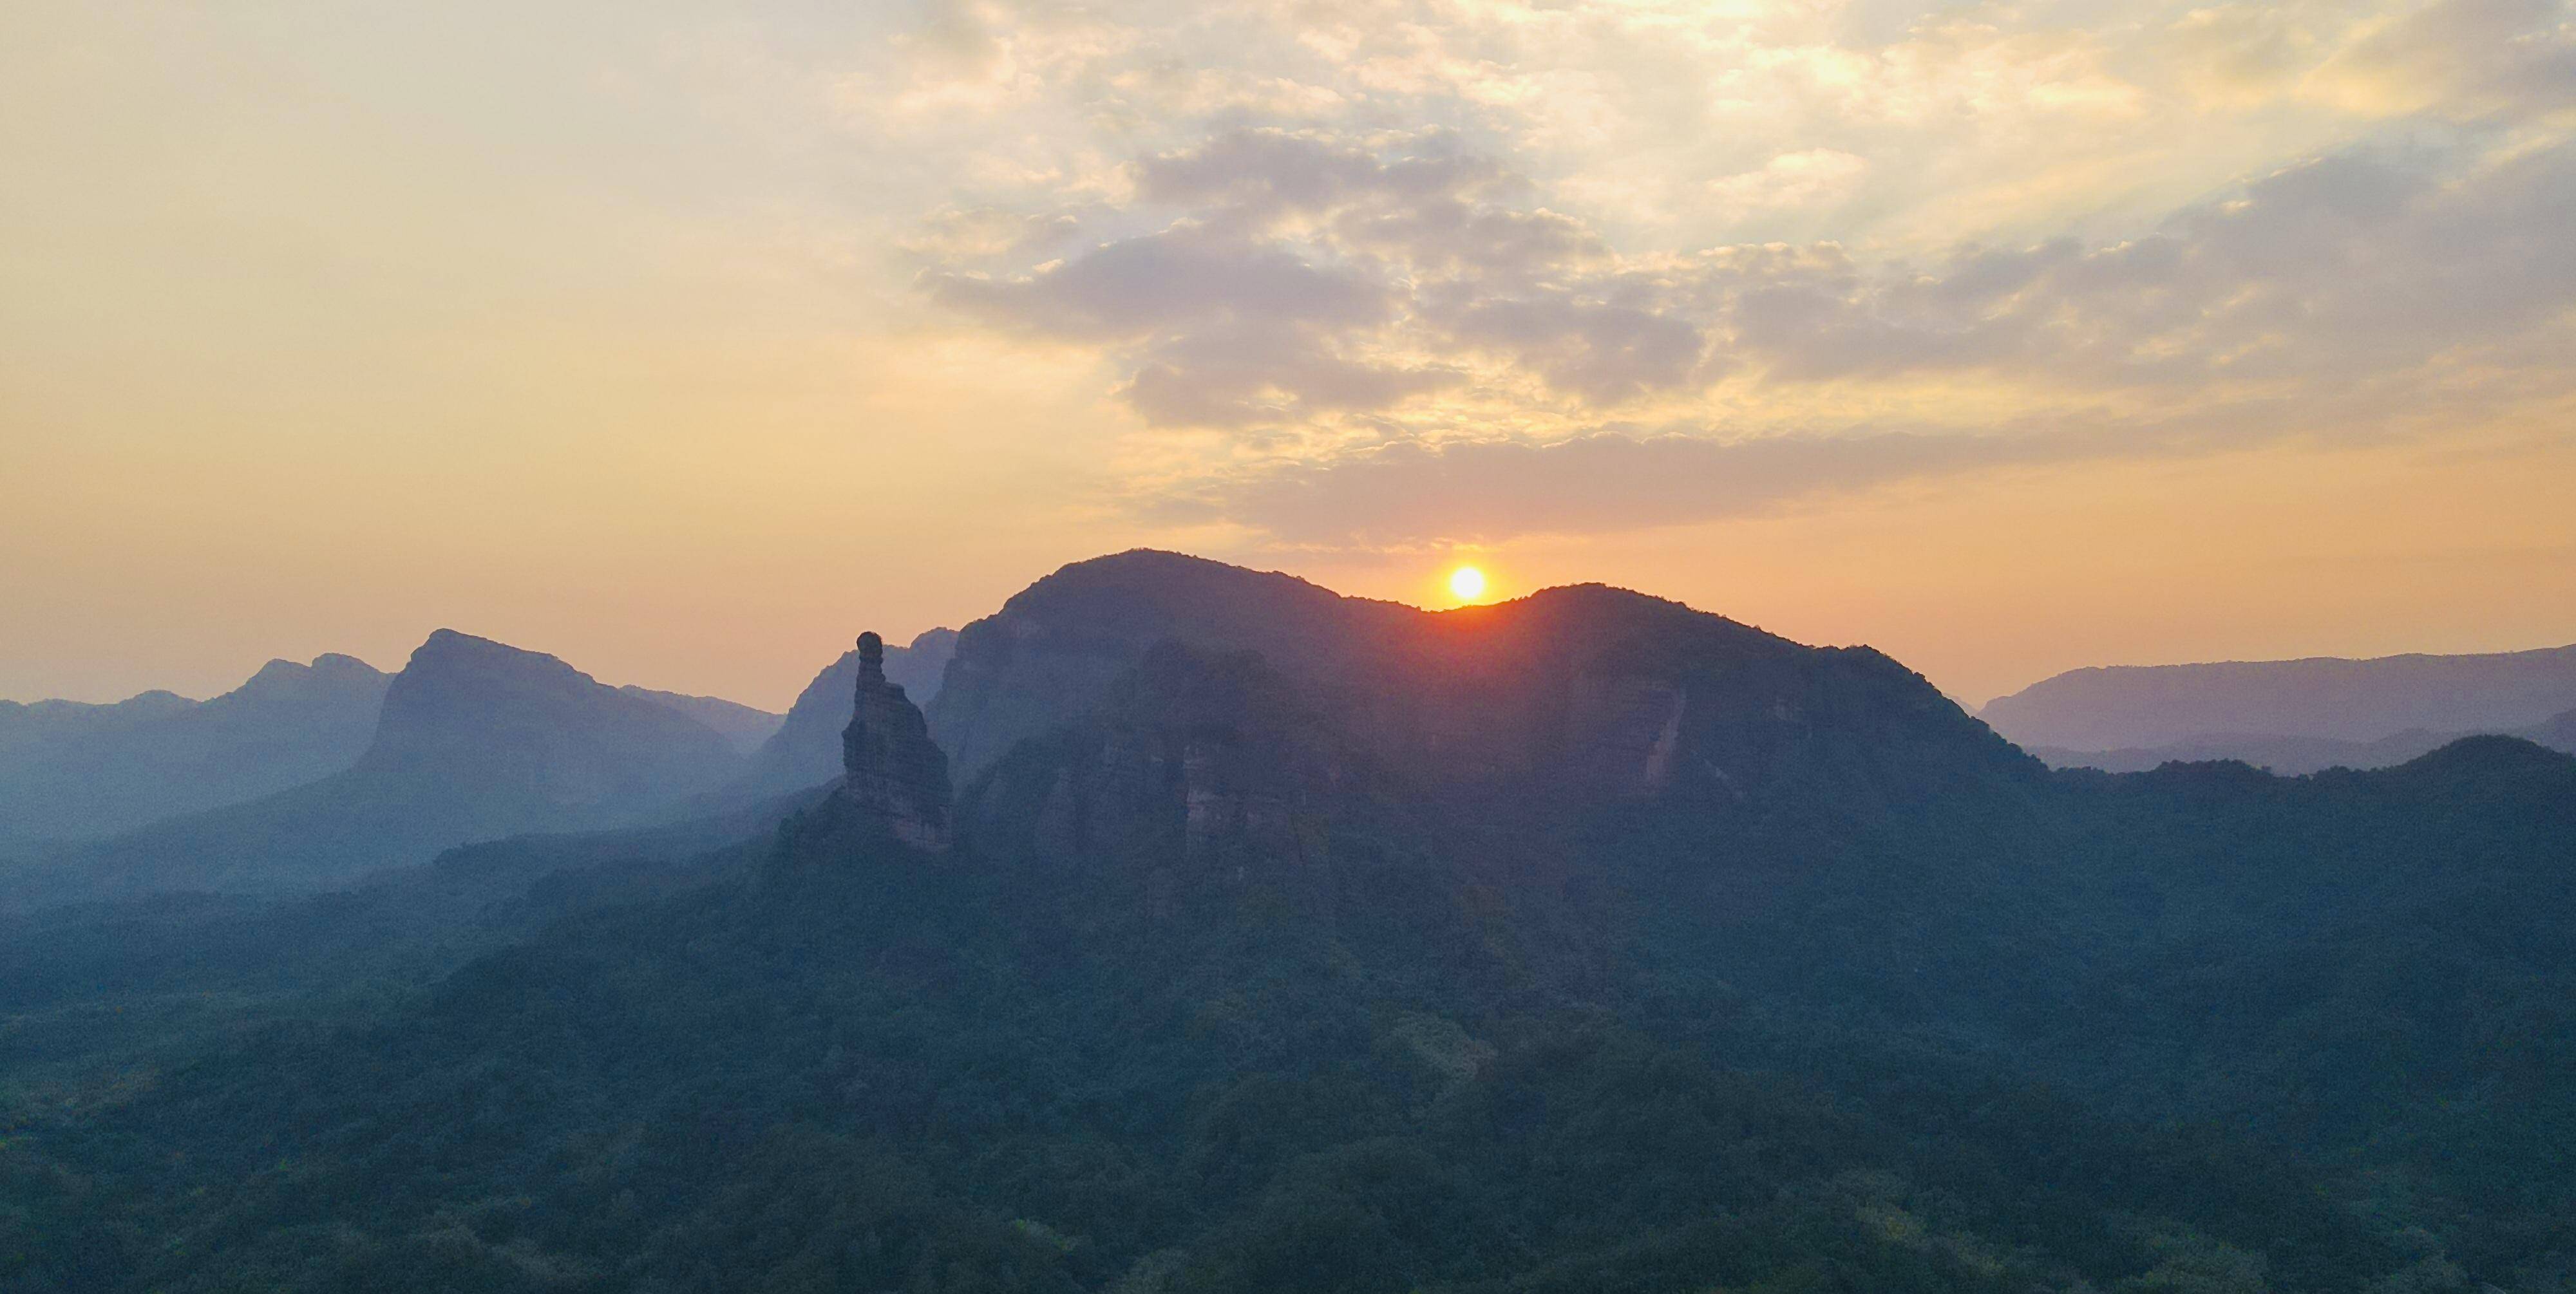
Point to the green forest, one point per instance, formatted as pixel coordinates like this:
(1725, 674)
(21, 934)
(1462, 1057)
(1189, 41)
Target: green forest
(2199, 1029)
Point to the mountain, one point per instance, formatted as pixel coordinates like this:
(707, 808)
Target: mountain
(1596, 685)
(806, 748)
(1055, 646)
(2130, 707)
(2557, 734)
(25, 722)
(1288, 942)
(476, 740)
(2271, 752)
(69, 772)
(745, 727)
(2296, 756)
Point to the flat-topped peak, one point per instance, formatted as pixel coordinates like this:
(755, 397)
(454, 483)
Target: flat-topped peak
(450, 652)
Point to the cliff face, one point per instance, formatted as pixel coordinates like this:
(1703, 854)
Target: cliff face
(896, 780)
(1201, 779)
(503, 725)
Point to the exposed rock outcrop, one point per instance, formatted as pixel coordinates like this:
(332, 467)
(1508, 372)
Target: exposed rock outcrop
(1203, 778)
(1624, 734)
(805, 751)
(896, 779)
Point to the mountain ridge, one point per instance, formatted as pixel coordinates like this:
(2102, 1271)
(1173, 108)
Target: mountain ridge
(1487, 687)
(2298, 756)
(474, 740)
(2118, 707)
(1584, 943)
(119, 767)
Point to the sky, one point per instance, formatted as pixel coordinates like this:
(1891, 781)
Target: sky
(685, 340)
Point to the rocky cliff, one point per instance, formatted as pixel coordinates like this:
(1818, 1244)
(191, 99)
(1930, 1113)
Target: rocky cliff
(895, 781)
(805, 751)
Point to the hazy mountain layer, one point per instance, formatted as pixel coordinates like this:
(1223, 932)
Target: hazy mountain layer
(2130, 707)
(745, 727)
(1581, 943)
(81, 771)
(476, 740)
(1232, 983)
(23, 722)
(2294, 756)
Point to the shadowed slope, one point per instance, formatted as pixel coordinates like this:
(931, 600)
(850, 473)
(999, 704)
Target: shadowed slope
(1614, 692)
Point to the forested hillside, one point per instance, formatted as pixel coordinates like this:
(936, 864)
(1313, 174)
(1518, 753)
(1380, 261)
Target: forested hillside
(1587, 943)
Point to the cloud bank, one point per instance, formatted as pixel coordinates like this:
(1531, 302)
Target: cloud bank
(1343, 269)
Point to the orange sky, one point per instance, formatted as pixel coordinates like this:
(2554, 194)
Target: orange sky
(685, 342)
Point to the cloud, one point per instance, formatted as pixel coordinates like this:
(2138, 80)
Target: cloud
(2459, 59)
(1271, 172)
(1407, 494)
(960, 234)
(1809, 175)
(1136, 286)
(1253, 373)
(2326, 270)
(2347, 264)
(1605, 354)
(1288, 256)
(2083, 235)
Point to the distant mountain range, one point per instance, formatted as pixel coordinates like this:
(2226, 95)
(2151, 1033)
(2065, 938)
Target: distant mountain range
(2296, 756)
(741, 725)
(2130, 707)
(308, 775)
(1247, 937)
(69, 771)
(473, 740)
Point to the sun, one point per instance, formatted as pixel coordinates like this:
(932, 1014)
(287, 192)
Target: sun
(1467, 583)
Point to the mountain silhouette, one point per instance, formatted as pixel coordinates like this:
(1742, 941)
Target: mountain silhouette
(475, 740)
(23, 723)
(1281, 941)
(2132, 707)
(744, 727)
(68, 772)
(2294, 756)
(1593, 688)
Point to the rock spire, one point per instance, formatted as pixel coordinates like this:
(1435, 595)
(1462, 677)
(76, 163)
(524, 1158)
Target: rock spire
(896, 776)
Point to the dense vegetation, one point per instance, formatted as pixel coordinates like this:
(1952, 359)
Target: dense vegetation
(1222, 989)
